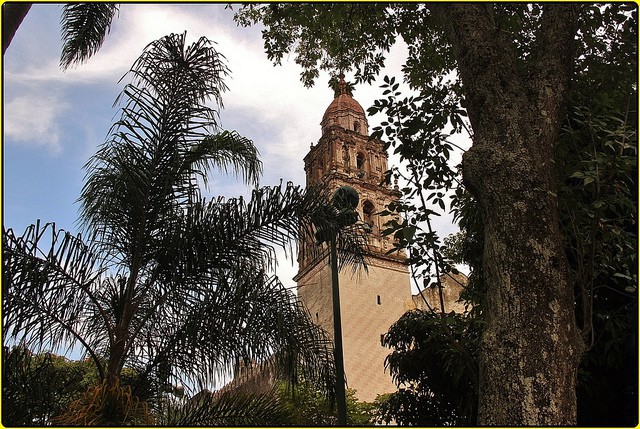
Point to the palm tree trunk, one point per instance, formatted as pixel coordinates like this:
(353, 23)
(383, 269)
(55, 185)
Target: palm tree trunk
(12, 16)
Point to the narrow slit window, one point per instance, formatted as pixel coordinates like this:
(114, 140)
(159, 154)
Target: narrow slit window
(379, 301)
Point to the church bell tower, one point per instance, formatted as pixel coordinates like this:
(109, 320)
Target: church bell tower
(370, 302)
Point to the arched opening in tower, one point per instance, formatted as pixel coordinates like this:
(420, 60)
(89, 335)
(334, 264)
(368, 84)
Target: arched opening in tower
(368, 214)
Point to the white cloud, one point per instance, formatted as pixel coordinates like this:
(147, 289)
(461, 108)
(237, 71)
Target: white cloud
(32, 119)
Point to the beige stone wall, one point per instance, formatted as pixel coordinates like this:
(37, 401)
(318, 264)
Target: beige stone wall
(370, 303)
(452, 286)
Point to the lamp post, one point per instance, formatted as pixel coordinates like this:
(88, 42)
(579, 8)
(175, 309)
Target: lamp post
(345, 200)
(341, 397)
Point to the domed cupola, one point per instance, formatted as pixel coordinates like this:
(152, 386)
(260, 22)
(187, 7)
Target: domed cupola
(345, 112)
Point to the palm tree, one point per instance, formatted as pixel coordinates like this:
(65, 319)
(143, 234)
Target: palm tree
(162, 280)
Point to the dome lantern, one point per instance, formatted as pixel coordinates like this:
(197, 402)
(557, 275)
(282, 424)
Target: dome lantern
(345, 112)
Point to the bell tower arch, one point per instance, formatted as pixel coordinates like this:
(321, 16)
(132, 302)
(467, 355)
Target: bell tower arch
(370, 302)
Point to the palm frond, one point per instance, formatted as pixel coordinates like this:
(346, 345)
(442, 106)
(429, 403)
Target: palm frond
(229, 409)
(248, 232)
(84, 27)
(224, 233)
(147, 170)
(181, 74)
(210, 260)
(105, 405)
(224, 150)
(239, 315)
(207, 236)
(51, 293)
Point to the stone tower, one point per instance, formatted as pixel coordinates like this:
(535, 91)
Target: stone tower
(370, 302)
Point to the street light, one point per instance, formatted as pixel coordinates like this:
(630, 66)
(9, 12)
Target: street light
(345, 199)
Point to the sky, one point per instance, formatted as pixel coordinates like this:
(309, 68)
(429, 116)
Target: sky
(54, 121)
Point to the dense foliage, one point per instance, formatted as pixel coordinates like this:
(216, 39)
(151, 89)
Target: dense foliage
(307, 406)
(435, 364)
(38, 387)
(597, 161)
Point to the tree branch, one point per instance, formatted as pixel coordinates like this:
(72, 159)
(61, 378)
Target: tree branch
(551, 73)
(12, 16)
(485, 57)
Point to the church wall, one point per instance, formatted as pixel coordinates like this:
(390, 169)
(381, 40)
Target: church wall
(375, 301)
(370, 303)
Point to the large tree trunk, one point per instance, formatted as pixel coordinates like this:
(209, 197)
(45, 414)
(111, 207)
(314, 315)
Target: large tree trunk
(531, 346)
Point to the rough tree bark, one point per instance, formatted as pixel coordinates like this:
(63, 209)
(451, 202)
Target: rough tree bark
(531, 346)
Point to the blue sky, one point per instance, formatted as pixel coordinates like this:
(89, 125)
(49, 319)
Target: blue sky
(54, 120)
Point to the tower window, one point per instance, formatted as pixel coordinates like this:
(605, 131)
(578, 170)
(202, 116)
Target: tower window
(356, 126)
(368, 213)
(367, 210)
(379, 301)
(360, 161)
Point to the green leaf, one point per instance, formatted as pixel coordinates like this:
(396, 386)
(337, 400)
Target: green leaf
(408, 232)
(624, 276)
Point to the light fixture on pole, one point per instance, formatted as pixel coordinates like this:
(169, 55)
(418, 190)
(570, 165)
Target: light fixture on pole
(345, 199)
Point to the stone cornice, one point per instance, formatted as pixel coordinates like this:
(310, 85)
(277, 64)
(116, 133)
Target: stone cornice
(397, 263)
